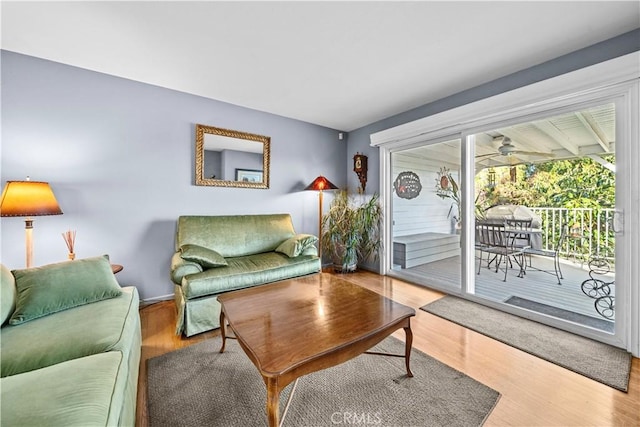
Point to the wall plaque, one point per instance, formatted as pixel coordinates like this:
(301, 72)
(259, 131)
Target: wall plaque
(407, 185)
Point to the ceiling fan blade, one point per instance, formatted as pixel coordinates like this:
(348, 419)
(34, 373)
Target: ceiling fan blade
(487, 156)
(533, 153)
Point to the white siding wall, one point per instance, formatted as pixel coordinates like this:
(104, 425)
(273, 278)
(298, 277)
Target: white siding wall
(427, 212)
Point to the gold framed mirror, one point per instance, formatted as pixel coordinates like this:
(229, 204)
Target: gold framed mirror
(230, 158)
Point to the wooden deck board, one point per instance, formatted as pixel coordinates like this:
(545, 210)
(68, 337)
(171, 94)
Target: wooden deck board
(535, 286)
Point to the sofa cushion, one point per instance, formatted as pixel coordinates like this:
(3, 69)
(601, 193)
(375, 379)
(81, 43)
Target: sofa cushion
(204, 256)
(93, 328)
(235, 235)
(56, 287)
(296, 245)
(252, 270)
(81, 392)
(7, 294)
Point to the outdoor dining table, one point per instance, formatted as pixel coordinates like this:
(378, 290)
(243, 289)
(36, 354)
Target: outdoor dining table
(534, 236)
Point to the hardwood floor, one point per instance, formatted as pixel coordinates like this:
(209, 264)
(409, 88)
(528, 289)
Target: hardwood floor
(534, 392)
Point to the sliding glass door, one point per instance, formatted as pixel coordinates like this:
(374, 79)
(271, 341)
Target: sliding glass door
(546, 188)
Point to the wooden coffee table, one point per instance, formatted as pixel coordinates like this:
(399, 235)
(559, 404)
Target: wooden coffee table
(292, 328)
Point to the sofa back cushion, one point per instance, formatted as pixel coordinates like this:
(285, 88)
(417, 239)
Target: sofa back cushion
(55, 287)
(235, 235)
(7, 294)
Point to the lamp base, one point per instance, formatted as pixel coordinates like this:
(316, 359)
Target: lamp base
(28, 231)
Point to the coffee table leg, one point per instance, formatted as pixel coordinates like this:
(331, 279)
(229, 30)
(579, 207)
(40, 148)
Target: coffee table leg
(407, 349)
(273, 402)
(222, 331)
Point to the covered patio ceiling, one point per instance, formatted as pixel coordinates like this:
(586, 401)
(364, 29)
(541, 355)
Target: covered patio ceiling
(589, 132)
(585, 133)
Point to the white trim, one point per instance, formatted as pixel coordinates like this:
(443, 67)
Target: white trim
(386, 256)
(514, 102)
(152, 300)
(630, 203)
(617, 78)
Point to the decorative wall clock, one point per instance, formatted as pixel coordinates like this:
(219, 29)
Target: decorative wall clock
(360, 168)
(407, 185)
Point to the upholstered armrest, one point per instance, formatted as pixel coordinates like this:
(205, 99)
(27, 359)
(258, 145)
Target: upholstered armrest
(181, 268)
(311, 250)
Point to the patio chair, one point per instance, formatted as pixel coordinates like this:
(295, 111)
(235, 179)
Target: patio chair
(520, 231)
(479, 245)
(555, 254)
(495, 240)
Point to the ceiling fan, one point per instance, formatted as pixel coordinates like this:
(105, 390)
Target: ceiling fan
(507, 148)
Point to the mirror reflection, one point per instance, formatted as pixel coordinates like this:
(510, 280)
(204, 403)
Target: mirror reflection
(230, 158)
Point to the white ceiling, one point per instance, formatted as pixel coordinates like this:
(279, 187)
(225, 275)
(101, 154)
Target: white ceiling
(338, 64)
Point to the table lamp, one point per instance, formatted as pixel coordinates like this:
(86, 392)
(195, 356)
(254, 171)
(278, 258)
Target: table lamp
(320, 184)
(28, 198)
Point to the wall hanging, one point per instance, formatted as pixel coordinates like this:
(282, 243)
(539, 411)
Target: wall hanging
(407, 185)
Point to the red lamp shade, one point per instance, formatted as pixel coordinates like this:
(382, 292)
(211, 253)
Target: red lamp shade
(28, 198)
(321, 183)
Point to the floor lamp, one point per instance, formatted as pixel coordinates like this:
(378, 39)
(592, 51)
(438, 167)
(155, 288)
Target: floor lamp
(28, 198)
(320, 184)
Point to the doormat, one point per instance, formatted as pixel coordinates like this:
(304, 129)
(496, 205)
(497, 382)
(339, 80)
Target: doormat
(560, 313)
(598, 361)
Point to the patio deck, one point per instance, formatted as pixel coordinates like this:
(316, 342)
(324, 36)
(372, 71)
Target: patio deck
(564, 301)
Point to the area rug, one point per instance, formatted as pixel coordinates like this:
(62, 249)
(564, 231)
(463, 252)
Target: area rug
(602, 323)
(198, 386)
(600, 362)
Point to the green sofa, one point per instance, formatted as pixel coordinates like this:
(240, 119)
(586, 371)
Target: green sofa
(70, 343)
(216, 254)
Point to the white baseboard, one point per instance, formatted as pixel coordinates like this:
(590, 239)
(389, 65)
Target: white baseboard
(148, 301)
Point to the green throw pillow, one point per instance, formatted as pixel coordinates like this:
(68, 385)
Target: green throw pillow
(203, 256)
(55, 287)
(294, 246)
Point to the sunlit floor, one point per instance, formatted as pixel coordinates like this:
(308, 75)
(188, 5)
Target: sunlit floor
(537, 291)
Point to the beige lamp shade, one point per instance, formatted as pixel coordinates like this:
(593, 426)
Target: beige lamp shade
(28, 198)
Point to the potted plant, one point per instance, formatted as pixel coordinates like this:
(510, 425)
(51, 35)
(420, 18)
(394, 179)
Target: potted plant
(351, 231)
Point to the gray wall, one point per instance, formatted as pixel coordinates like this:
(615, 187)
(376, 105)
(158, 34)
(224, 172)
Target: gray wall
(358, 140)
(233, 160)
(212, 164)
(119, 156)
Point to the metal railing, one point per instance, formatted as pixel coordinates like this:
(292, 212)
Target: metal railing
(589, 231)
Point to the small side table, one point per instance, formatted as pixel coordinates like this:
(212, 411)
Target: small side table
(116, 268)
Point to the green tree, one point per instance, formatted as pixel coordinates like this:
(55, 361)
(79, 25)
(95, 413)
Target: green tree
(576, 183)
